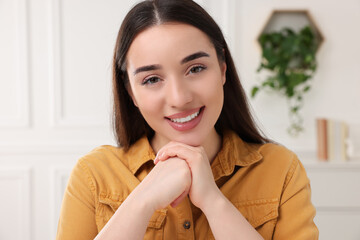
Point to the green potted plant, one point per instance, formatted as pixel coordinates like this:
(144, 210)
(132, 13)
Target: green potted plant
(290, 59)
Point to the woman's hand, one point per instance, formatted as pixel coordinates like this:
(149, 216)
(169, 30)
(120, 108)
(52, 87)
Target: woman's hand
(203, 187)
(167, 183)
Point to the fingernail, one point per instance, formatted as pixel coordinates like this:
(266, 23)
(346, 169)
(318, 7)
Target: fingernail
(156, 160)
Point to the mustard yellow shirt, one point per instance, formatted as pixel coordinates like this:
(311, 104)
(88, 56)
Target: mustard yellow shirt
(265, 182)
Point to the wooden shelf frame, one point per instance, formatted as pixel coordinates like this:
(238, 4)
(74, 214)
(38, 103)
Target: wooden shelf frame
(295, 12)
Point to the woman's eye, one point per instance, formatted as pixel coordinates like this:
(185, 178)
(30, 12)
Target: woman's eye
(150, 80)
(197, 69)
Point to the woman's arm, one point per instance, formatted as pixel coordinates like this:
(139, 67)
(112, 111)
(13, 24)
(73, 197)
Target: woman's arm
(130, 220)
(162, 186)
(77, 218)
(226, 222)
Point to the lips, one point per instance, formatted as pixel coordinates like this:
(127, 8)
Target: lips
(185, 120)
(184, 114)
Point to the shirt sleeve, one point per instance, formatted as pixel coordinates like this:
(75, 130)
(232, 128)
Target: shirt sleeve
(296, 212)
(77, 216)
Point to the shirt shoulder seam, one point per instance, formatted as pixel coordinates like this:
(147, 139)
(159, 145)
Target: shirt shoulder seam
(290, 174)
(89, 178)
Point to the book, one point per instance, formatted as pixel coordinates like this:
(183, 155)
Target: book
(332, 139)
(353, 142)
(337, 135)
(322, 139)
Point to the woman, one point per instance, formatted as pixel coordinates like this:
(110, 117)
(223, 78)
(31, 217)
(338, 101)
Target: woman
(191, 163)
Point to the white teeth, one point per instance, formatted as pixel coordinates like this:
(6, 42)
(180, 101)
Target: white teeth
(186, 119)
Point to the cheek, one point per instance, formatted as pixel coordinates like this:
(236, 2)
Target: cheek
(216, 98)
(148, 103)
(214, 90)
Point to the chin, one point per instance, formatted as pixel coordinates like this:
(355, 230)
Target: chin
(192, 139)
(193, 143)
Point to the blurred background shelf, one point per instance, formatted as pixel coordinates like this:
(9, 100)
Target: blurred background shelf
(316, 164)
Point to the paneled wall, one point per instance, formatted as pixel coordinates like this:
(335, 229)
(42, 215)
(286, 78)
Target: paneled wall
(55, 100)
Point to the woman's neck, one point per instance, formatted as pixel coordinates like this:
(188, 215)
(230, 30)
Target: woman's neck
(212, 145)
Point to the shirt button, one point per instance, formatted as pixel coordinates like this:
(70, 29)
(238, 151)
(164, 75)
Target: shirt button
(186, 225)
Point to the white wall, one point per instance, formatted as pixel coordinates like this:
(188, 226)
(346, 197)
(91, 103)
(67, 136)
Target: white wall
(55, 100)
(336, 84)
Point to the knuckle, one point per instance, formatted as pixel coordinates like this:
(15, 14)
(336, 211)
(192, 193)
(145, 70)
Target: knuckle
(199, 150)
(198, 154)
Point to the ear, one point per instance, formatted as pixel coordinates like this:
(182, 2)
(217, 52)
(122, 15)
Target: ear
(223, 72)
(128, 88)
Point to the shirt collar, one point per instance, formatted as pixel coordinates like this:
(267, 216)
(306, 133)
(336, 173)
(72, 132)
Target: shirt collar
(234, 151)
(139, 153)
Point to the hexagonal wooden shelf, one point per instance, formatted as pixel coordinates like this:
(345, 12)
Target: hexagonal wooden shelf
(295, 19)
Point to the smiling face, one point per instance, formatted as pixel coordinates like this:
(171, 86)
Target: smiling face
(176, 81)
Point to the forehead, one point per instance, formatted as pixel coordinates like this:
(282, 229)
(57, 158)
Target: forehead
(175, 40)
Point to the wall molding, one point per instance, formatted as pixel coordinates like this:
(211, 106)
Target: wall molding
(46, 149)
(22, 117)
(336, 209)
(317, 166)
(59, 178)
(56, 76)
(23, 175)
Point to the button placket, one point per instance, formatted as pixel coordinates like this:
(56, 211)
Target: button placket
(186, 225)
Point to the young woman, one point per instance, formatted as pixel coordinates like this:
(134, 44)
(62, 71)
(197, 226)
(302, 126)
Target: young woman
(190, 163)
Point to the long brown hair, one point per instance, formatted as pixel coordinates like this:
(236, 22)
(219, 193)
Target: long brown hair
(129, 125)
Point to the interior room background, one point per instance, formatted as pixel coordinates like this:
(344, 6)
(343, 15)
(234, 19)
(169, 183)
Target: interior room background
(55, 100)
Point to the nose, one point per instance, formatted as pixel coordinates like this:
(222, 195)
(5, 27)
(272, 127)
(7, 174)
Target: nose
(179, 92)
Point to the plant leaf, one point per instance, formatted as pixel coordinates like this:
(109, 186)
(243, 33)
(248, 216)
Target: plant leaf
(254, 91)
(306, 89)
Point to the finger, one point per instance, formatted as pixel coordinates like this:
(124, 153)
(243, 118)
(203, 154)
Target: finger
(179, 151)
(160, 155)
(163, 158)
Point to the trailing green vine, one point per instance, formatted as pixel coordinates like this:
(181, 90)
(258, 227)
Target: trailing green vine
(290, 58)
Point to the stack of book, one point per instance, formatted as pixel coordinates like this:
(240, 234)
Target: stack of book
(332, 138)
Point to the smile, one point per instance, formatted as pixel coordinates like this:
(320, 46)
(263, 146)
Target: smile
(186, 119)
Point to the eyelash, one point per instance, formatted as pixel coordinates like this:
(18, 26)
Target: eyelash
(201, 67)
(150, 80)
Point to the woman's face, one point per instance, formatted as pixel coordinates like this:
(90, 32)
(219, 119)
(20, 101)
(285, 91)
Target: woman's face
(176, 81)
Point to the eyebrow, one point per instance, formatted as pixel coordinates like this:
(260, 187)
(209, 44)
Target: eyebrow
(194, 56)
(183, 61)
(147, 68)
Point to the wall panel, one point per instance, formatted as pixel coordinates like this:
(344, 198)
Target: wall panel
(15, 207)
(81, 44)
(14, 84)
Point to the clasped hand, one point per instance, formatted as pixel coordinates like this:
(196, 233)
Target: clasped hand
(180, 170)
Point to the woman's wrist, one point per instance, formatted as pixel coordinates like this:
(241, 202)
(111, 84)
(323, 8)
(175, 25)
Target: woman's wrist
(140, 199)
(213, 199)
(130, 219)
